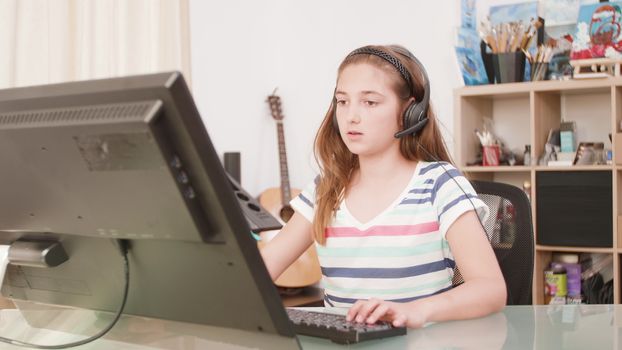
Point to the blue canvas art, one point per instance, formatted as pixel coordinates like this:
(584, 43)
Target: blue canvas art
(468, 38)
(523, 11)
(469, 14)
(560, 12)
(471, 66)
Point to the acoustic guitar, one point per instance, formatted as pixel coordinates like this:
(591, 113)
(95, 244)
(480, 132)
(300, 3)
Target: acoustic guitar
(305, 271)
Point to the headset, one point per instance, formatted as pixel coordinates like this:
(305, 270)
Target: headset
(416, 115)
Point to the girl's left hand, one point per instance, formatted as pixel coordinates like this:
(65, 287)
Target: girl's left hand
(399, 314)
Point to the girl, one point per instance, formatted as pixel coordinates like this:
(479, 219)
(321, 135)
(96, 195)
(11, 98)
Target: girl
(389, 215)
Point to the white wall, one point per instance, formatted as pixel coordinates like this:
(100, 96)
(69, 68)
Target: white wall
(241, 50)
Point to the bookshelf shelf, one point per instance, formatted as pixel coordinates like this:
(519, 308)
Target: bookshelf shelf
(523, 114)
(492, 169)
(546, 248)
(522, 168)
(574, 168)
(565, 87)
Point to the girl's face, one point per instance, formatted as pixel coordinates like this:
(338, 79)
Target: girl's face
(367, 109)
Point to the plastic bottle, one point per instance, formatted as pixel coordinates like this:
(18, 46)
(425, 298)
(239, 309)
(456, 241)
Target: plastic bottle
(561, 280)
(527, 188)
(527, 155)
(550, 286)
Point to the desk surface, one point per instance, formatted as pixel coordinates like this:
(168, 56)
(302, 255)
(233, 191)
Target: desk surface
(308, 296)
(517, 327)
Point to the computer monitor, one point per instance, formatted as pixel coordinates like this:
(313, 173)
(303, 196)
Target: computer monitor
(87, 163)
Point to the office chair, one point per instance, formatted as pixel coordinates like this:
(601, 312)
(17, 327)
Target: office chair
(510, 231)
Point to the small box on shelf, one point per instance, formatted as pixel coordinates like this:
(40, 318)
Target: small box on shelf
(566, 137)
(563, 159)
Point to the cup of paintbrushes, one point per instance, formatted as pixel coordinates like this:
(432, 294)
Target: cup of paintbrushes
(509, 67)
(539, 70)
(539, 62)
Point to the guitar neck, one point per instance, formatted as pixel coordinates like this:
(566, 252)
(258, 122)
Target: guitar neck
(286, 195)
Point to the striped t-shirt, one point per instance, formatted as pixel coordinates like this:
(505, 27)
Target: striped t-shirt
(401, 254)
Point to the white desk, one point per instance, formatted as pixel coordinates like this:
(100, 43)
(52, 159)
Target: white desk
(517, 327)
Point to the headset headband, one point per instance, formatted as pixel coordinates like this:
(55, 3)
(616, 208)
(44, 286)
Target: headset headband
(389, 58)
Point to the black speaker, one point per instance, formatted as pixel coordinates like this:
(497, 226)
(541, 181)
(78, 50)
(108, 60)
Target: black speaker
(574, 208)
(232, 165)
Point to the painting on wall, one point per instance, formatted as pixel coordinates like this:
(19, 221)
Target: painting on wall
(522, 11)
(599, 32)
(471, 66)
(560, 12)
(469, 14)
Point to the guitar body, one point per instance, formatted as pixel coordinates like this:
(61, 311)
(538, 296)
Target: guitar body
(305, 271)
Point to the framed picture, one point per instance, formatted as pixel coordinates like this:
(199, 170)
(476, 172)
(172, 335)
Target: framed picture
(469, 14)
(522, 11)
(471, 66)
(590, 153)
(599, 31)
(560, 12)
(468, 38)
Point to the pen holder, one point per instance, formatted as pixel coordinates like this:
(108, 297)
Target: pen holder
(487, 59)
(509, 67)
(490, 155)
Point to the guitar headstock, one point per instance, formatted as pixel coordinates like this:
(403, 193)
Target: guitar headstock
(275, 106)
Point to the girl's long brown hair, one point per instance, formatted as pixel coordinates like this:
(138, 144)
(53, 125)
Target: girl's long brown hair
(337, 163)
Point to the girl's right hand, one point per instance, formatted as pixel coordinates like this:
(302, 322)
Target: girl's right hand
(409, 315)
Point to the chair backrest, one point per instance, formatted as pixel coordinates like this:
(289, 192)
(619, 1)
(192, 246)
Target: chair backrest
(510, 231)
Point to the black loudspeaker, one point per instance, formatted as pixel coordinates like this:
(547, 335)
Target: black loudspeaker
(574, 208)
(232, 165)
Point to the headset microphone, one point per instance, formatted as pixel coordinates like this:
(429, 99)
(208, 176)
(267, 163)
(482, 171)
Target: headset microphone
(413, 129)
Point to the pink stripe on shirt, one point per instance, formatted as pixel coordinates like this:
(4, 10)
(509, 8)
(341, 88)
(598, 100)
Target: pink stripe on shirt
(383, 230)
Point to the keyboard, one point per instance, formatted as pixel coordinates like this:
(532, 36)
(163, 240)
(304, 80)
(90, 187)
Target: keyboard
(337, 329)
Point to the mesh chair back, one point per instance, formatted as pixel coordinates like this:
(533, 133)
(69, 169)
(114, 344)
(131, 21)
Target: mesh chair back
(510, 231)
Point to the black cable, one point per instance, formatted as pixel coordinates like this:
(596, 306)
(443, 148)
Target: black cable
(124, 247)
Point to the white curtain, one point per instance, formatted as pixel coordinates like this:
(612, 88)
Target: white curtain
(50, 41)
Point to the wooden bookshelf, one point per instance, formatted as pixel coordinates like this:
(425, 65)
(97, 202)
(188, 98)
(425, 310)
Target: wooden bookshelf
(523, 114)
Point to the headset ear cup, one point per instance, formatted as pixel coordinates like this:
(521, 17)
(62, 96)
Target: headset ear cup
(414, 119)
(410, 116)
